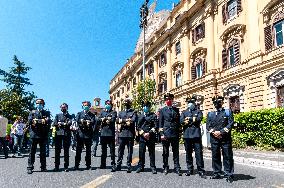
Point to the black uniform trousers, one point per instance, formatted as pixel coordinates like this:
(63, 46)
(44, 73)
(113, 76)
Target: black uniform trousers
(195, 144)
(174, 142)
(3, 142)
(42, 144)
(151, 149)
(228, 160)
(66, 141)
(80, 144)
(110, 142)
(125, 141)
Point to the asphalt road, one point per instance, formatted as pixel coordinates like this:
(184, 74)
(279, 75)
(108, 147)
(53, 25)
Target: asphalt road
(13, 174)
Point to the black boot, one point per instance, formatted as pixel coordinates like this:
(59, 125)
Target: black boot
(129, 169)
(154, 170)
(166, 170)
(56, 169)
(178, 172)
(189, 172)
(29, 171)
(103, 166)
(202, 175)
(113, 168)
(140, 169)
(118, 167)
(230, 179)
(216, 176)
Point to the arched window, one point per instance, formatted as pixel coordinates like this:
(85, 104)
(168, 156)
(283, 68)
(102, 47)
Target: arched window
(198, 68)
(162, 87)
(231, 54)
(178, 79)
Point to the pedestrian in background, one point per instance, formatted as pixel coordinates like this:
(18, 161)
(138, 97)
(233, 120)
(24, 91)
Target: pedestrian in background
(3, 135)
(18, 129)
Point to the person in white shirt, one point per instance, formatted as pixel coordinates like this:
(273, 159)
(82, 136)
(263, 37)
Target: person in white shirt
(18, 128)
(3, 128)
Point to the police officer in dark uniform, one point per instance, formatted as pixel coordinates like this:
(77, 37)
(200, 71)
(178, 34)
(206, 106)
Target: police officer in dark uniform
(169, 125)
(107, 120)
(147, 127)
(39, 125)
(191, 120)
(62, 123)
(126, 126)
(86, 122)
(219, 124)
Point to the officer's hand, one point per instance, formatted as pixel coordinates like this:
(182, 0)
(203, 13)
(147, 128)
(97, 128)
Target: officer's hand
(119, 120)
(217, 134)
(109, 118)
(128, 123)
(107, 121)
(146, 136)
(82, 121)
(103, 119)
(194, 119)
(163, 138)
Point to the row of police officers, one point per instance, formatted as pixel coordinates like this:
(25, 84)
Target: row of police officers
(168, 124)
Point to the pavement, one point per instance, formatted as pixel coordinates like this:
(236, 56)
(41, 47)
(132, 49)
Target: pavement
(247, 174)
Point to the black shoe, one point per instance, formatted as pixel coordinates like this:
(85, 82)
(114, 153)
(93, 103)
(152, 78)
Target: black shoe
(6, 157)
(129, 169)
(56, 169)
(178, 172)
(88, 167)
(216, 176)
(43, 169)
(118, 168)
(202, 175)
(230, 179)
(29, 171)
(103, 167)
(166, 171)
(154, 170)
(140, 169)
(76, 168)
(66, 170)
(189, 172)
(113, 168)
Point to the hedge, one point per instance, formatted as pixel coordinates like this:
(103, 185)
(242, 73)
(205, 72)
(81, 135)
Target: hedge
(262, 128)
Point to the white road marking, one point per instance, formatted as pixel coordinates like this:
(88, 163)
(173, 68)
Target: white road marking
(98, 181)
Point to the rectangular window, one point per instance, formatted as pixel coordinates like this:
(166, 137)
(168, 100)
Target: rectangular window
(279, 27)
(234, 103)
(199, 70)
(232, 8)
(163, 61)
(118, 94)
(178, 79)
(178, 49)
(134, 81)
(122, 90)
(232, 56)
(280, 96)
(150, 69)
(199, 32)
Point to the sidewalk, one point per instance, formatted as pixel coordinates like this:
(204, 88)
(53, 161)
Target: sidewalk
(264, 159)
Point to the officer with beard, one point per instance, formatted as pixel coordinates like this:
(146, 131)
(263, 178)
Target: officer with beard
(126, 126)
(169, 125)
(62, 123)
(147, 127)
(86, 122)
(191, 120)
(219, 124)
(107, 120)
(39, 124)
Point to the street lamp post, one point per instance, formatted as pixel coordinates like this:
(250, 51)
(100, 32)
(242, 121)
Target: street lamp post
(143, 25)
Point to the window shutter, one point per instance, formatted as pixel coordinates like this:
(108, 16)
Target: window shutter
(224, 58)
(268, 37)
(193, 72)
(239, 6)
(224, 13)
(237, 52)
(193, 36)
(203, 67)
(203, 30)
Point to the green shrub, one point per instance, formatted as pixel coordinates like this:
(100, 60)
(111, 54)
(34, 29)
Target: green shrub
(262, 129)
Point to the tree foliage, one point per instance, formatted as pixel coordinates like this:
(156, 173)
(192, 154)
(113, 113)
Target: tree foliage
(145, 91)
(15, 100)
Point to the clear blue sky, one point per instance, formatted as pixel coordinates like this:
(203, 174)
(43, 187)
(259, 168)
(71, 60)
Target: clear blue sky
(74, 47)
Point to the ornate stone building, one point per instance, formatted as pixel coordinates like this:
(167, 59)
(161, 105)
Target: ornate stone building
(208, 47)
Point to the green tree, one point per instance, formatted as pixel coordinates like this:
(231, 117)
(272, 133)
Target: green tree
(145, 90)
(14, 100)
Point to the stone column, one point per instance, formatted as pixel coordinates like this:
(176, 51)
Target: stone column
(209, 34)
(185, 53)
(169, 67)
(252, 26)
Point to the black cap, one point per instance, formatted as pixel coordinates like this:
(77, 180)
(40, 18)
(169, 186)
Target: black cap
(108, 102)
(127, 100)
(86, 102)
(64, 104)
(146, 103)
(168, 96)
(192, 99)
(40, 101)
(218, 98)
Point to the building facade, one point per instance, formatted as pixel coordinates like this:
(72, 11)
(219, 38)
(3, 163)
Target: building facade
(232, 48)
